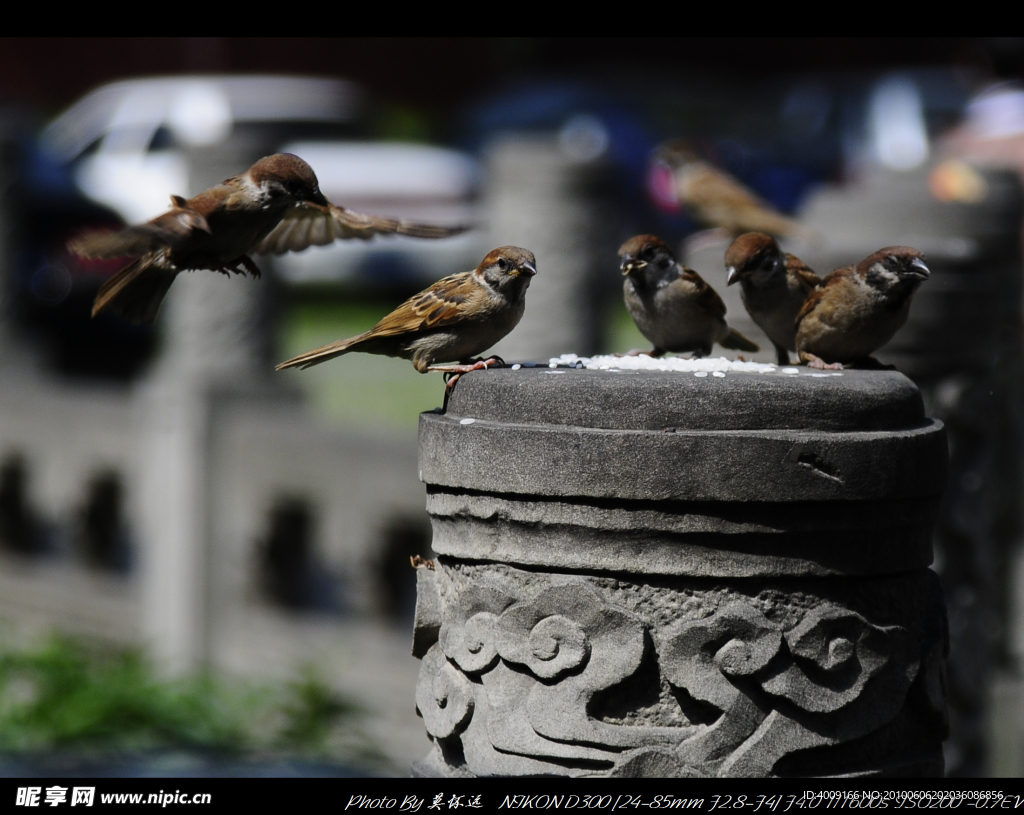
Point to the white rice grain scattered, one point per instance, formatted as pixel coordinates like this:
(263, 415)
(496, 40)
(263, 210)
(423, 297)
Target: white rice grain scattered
(642, 362)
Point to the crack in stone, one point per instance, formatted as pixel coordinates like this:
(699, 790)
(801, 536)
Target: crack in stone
(815, 463)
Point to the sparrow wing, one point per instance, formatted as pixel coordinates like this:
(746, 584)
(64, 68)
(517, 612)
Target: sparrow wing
(803, 273)
(711, 185)
(819, 294)
(444, 303)
(706, 296)
(722, 201)
(168, 230)
(309, 224)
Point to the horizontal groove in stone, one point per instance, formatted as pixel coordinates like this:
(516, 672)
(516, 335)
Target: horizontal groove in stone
(768, 465)
(685, 517)
(893, 550)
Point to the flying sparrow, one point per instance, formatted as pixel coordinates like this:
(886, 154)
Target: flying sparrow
(774, 286)
(716, 199)
(672, 305)
(858, 309)
(273, 207)
(458, 317)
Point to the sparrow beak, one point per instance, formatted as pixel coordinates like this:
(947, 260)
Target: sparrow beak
(629, 264)
(922, 271)
(319, 198)
(734, 275)
(526, 270)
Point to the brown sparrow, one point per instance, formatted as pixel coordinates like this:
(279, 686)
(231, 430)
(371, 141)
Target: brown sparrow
(460, 316)
(274, 206)
(858, 309)
(718, 200)
(672, 305)
(774, 286)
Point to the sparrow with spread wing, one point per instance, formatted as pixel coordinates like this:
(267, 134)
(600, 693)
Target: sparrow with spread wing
(858, 309)
(716, 199)
(672, 305)
(273, 207)
(455, 319)
(773, 284)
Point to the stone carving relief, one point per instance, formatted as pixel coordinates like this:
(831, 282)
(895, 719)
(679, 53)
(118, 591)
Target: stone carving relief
(524, 674)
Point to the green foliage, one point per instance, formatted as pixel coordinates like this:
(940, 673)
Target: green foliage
(68, 696)
(359, 389)
(311, 713)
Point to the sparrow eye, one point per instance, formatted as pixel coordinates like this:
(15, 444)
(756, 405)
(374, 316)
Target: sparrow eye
(502, 264)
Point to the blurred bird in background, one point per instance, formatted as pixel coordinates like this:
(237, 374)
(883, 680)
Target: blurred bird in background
(858, 309)
(273, 207)
(715, 199)
(672, 305)
(774, 286)
(455, 319)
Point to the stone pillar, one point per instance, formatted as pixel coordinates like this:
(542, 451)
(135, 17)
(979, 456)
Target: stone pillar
(216, 358)
(539, 197)
(656, 574)
(962, 346)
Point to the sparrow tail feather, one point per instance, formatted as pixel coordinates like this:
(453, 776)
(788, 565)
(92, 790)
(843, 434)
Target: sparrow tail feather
(736, 341)
(322, 354)
(135, 292)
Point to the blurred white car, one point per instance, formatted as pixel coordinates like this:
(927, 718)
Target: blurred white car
(413, 181)
(133, 144)
(129, 140)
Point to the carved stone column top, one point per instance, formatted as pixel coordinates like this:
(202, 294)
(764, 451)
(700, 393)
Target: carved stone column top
(856, 400)
(650, 436)
(658, 574)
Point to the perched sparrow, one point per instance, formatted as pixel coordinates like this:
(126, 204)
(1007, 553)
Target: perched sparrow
(774, 286)
(858, 309)
(460, 316)
(672, 305)
(274, 206)
(716, 199)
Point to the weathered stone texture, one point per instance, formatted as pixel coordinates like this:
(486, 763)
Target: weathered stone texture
(615, 599)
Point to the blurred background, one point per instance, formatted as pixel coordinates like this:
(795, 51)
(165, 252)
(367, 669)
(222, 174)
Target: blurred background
(204, 566)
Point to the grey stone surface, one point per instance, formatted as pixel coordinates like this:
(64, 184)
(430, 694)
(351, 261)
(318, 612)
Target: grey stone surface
(721, 600)
(712, 538)
(583, 674)
(717, 465)
(653, 400)
(962, 345)
(427, 617)
(537, 196)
